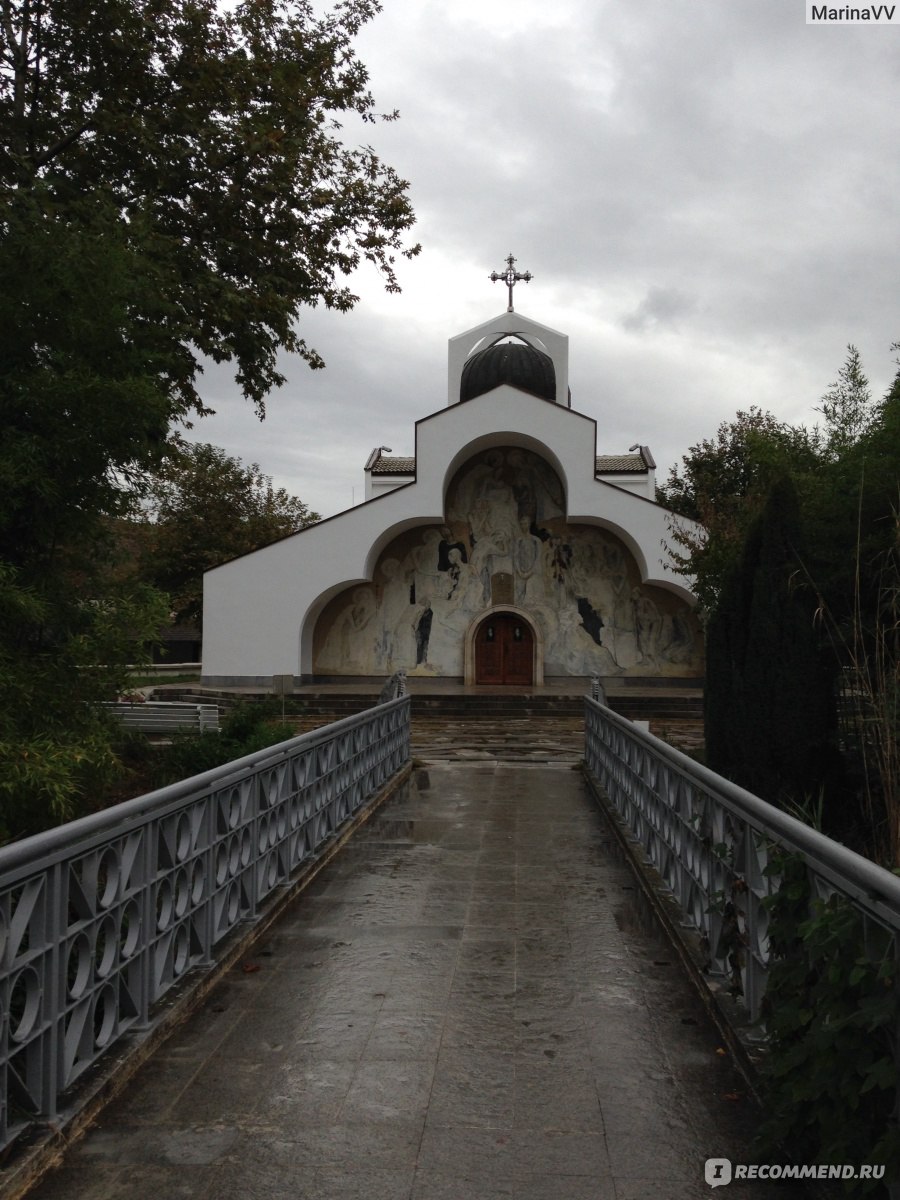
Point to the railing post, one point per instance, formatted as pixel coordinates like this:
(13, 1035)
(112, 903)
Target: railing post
(145, 909)
(54, 931)
(394, 688)
(207, 832)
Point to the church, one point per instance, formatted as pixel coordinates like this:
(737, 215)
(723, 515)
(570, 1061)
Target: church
(505, 551)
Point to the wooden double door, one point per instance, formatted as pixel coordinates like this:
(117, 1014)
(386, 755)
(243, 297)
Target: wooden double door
(504, 650)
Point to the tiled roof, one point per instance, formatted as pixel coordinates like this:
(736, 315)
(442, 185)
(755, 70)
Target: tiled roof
(393, 466)
(608, 464)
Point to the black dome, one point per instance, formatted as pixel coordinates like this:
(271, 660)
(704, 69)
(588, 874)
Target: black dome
(516, 363)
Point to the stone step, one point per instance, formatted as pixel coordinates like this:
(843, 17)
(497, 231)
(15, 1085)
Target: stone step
(497, 706)
(519, 739)
(634, 707)
(650, 708)
(490, 706)
(504, 739)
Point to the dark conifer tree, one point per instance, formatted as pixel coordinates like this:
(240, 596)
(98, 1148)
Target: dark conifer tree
(769, 697)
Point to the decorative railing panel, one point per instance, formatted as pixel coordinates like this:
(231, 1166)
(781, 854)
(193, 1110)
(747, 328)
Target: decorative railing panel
(711, 842)
(99, 918)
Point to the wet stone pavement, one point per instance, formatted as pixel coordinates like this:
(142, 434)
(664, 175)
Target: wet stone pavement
(468, 1003)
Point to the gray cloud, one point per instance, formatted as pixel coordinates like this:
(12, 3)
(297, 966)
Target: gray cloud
(662, 306)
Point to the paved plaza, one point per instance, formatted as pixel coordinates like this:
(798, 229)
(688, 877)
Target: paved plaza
(468, 1003)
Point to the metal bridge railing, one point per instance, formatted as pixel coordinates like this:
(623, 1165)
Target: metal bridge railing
(711, 842)
(101, 917)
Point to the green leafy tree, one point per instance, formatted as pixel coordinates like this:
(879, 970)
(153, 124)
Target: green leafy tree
(174, 187)
(847, 406)
(872, 463)
(723, 484)
(212, 136)
(81, 414)
(798, 597)
(58, 661)
(208, 508)
(831, 1010)
(857, 572)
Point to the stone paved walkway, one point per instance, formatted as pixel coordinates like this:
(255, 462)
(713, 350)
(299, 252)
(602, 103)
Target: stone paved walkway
(468, 1003)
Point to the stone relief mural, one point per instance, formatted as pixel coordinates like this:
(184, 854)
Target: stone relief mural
(506, 540)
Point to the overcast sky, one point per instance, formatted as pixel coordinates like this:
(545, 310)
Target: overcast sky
(705, 191)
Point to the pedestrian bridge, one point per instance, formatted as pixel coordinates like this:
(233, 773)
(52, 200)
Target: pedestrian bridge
(472, 998)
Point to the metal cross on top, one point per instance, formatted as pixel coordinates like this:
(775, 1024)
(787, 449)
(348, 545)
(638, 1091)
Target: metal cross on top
(511, 277)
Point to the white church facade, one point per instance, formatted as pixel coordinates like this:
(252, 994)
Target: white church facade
(505, 551)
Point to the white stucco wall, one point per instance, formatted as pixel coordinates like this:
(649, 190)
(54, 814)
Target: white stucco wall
(260, 610)
(641, 484)
(380, 485)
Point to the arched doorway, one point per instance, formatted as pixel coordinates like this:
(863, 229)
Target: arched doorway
(504, 650)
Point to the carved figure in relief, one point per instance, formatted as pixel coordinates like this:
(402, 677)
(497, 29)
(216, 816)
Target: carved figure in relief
(557, 556)
(426, 556)
(615, 572)
(453, 569)
(586, 577)
(500, 501)
(347, 647)
(647, 625)
(678, 636)
(491, 555)
(538, 490)
(480, 522)
(422, 564)
(445, 548)
(394, 608)
(422, 630)
(472, 484)
(528, 561)
(564, 633)
(574, 651)
(467, 595)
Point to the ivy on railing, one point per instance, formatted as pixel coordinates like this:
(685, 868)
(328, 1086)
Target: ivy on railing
(832, 1015)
